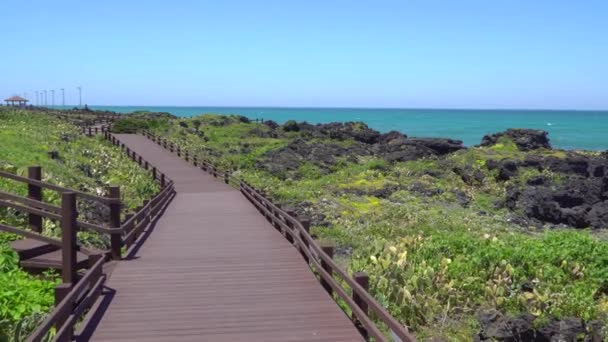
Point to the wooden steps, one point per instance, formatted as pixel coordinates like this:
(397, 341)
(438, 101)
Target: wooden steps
(36, 255)
(30, 248)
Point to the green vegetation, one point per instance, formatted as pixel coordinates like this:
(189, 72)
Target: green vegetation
(437, 248)
(138, 121)
(86, 164)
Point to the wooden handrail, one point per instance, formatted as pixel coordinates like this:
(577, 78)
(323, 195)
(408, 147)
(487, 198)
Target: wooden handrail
(54, 187)
(87, 285)
(307, 240)
(311, 251)
(30, 202)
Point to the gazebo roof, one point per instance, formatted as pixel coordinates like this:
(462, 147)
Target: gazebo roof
(16, 99)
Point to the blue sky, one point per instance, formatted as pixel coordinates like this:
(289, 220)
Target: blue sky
(408, 54)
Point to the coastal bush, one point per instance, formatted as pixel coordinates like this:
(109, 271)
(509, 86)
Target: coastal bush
(129, 125)
(429, 279)
(291, 126)
(22, 296)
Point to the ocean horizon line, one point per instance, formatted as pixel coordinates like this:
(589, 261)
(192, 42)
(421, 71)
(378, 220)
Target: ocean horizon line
(349, 108)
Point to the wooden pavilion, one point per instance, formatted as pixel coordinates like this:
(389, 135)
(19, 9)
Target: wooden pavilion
(16, 101)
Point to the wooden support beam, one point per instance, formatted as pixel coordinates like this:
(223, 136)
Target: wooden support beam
(34, 192)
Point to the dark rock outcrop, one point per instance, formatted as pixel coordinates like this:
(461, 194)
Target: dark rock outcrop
(324, 156)
(349, 130)
(402, 152)
(507, 168)
(469, 175)
(291, 126)
(525, 139)
(271, 124)
(579, 203)
(390, 136)
(496, 326)
(441, 146)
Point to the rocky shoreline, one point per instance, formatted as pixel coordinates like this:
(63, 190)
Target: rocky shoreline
(578, 199)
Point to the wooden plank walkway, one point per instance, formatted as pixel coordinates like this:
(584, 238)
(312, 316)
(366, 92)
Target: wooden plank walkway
(213, 269)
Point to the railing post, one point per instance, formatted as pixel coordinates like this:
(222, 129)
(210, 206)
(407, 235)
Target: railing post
(276, 215)
(186, 156)
(154, 174)
(179, 151)
(139, 160)
(146, 218)
(61, 291)
(306, 225)
(53, 155)
(363, 280)
(129, 241)
(35, 192)
(115, 239)
(329, 250)
(90, 131)
(68, 237)
(289, 233)
(146, 165)
(194, 161)
(226, 178)
(162, 180)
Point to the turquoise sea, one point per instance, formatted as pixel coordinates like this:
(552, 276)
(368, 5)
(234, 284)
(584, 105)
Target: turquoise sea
(567, 129)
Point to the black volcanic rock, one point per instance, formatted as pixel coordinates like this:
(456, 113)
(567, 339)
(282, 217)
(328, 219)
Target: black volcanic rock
(525, 139)
(496, 326)
(358, 131)
(390, 136)
(439, 145)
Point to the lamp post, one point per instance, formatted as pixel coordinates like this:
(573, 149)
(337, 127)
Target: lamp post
(79, 96)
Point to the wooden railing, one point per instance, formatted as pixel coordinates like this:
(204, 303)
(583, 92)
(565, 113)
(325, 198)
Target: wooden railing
(78, 292)
(95, 130)
(351, 290)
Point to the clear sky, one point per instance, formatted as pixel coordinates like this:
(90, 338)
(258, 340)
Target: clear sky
(427, 53)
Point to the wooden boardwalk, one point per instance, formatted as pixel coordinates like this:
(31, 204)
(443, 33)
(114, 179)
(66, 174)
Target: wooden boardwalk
(213, 269)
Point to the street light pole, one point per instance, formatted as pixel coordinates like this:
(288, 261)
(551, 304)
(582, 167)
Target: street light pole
(79, 96)
(62, 97)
